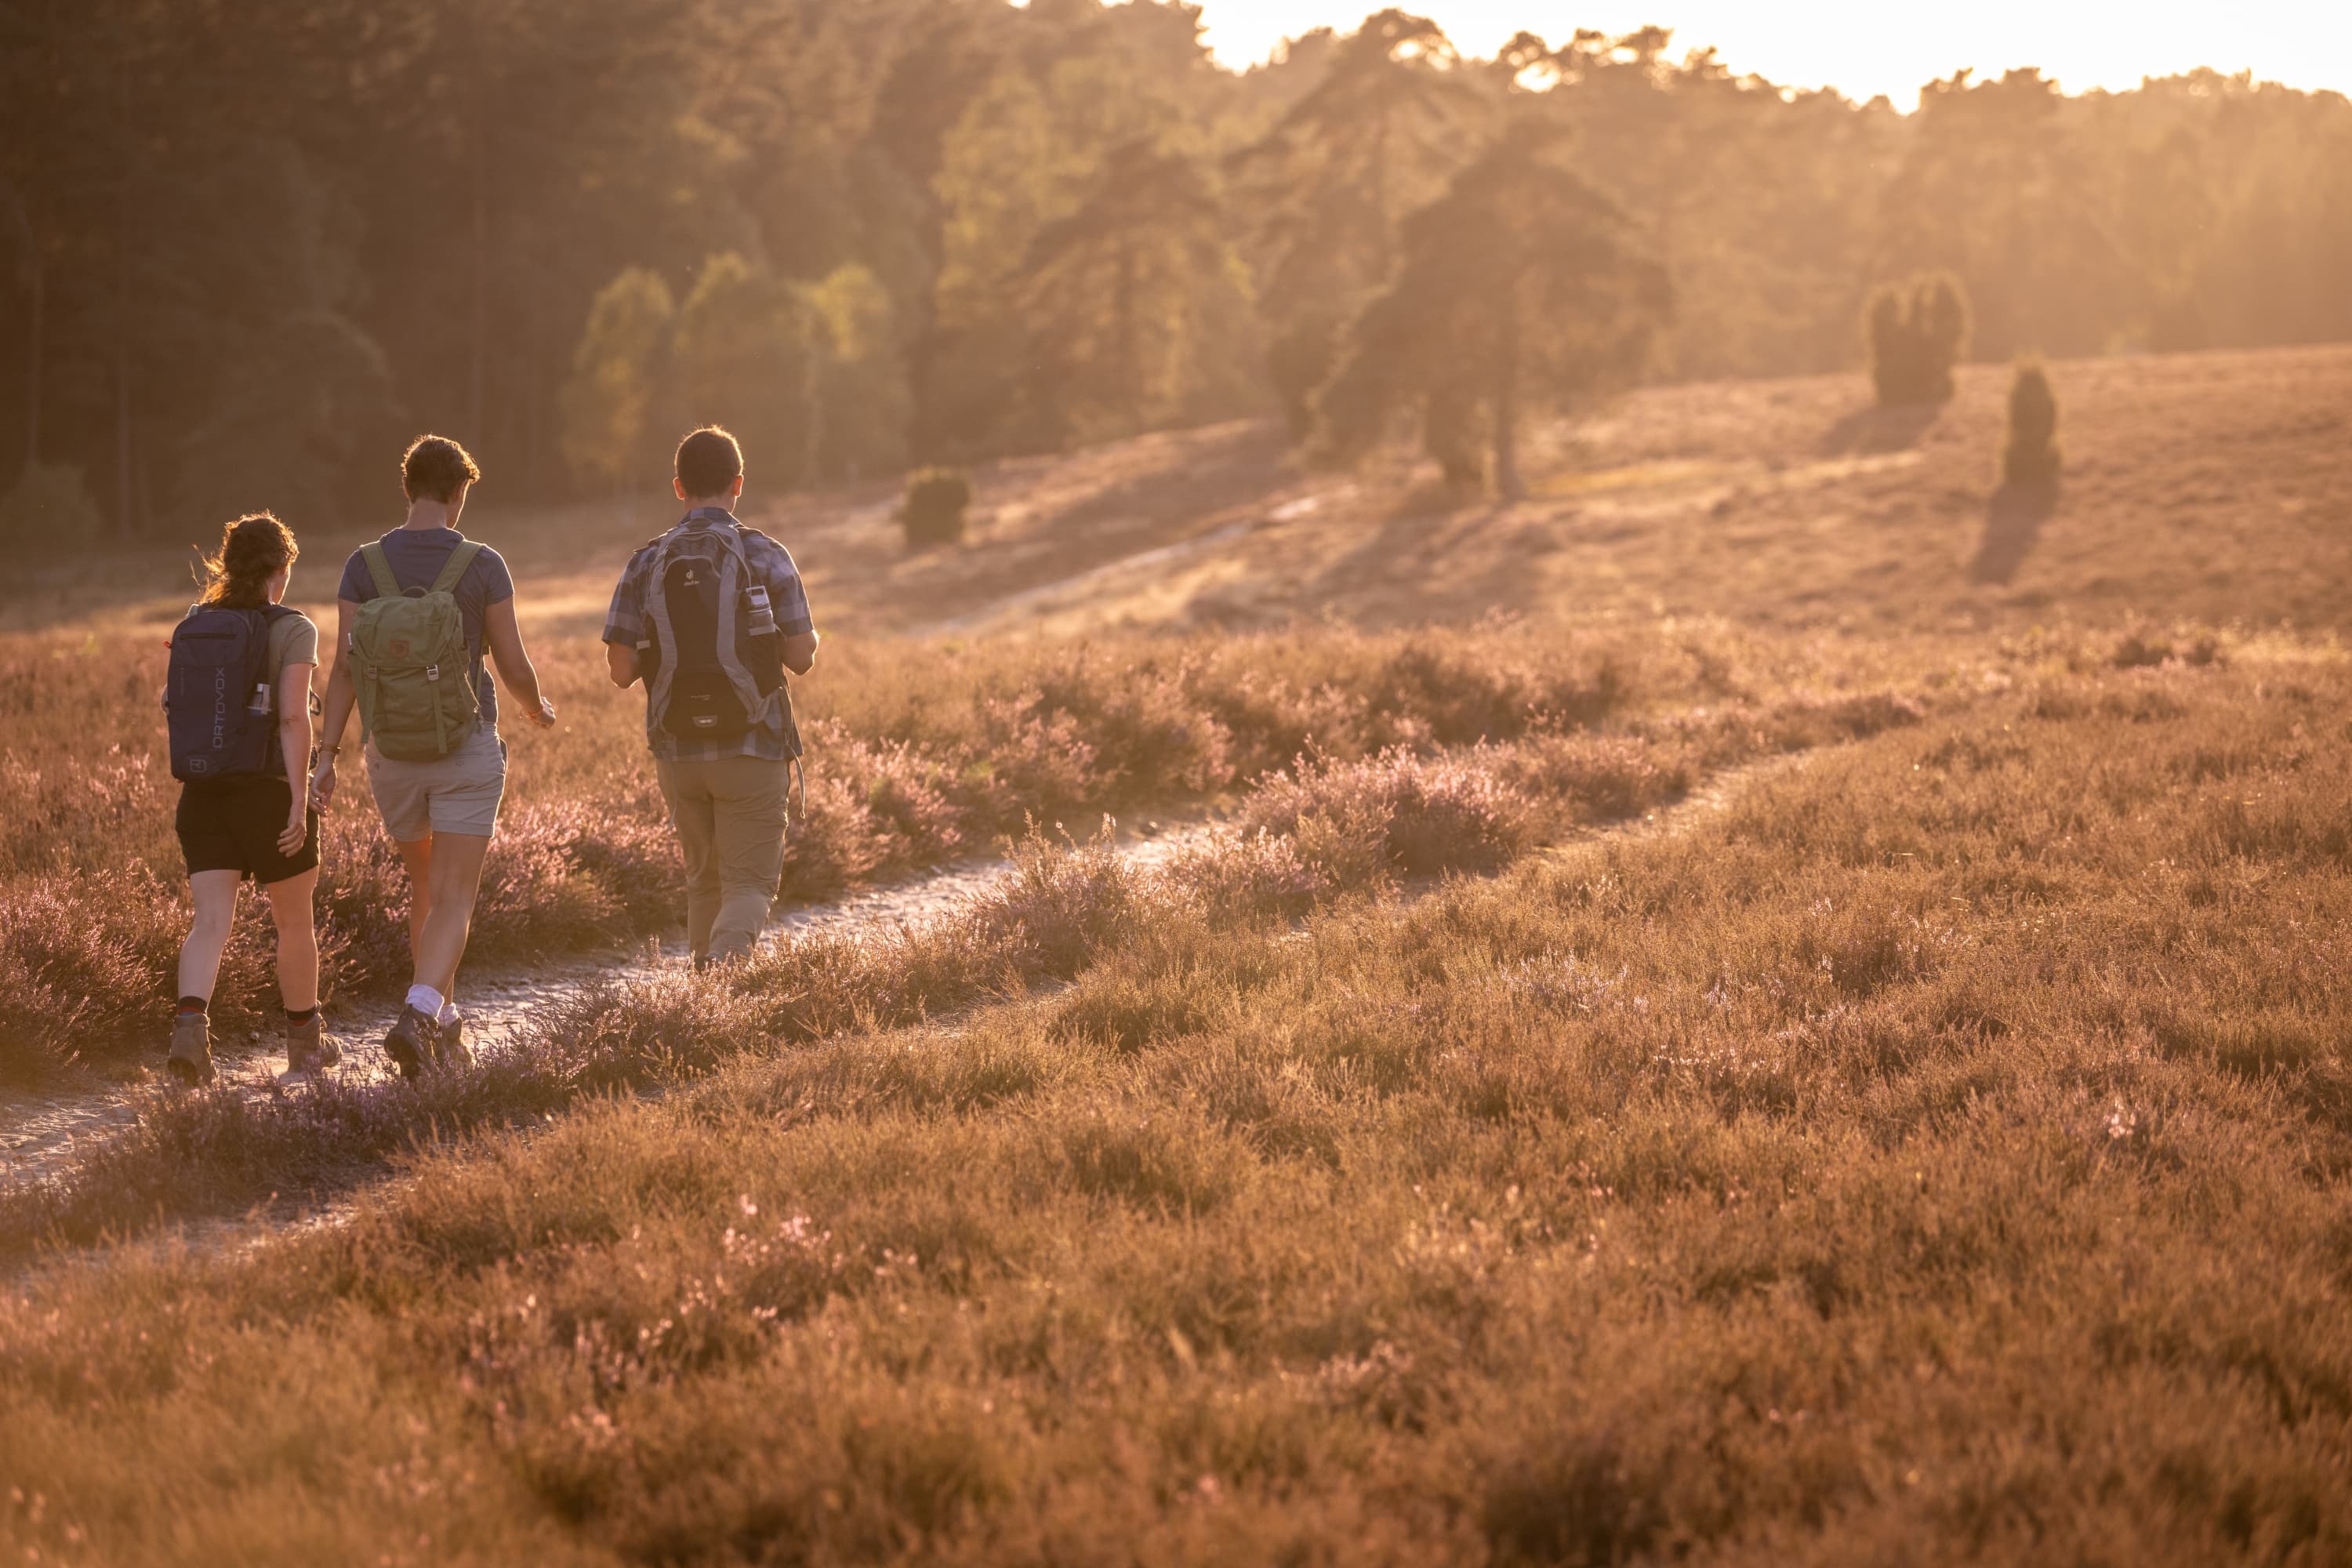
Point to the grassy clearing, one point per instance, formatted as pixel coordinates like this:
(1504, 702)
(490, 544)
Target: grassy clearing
(922, 754)
(1305, 838)
(1940, 1157)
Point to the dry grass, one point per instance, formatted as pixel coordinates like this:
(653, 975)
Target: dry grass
(1304, 840)
(1940, 1157)
(922, 754)
(2206, 487)
(1938, 1154)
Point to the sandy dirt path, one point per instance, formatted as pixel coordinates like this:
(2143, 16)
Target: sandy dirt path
(40, 1135)
(41, 1131)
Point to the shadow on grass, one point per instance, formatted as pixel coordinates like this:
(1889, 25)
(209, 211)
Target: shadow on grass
(1868, 431)
(2013, 520)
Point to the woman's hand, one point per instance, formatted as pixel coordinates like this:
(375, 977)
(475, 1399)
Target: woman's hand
(322, 781)
(298, 831)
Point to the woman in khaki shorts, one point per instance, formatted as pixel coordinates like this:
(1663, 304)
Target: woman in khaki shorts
(442, 813)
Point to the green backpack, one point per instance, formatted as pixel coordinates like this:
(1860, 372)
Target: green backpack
(410, 662)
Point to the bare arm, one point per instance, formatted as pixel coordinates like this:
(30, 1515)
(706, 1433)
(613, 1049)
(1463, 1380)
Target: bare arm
(800, 652)
(341, 697)
(621, 659)
(294, 744)
(502, 636)
(342, 693)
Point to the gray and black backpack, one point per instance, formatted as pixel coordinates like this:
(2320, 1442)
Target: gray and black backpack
(715, 655)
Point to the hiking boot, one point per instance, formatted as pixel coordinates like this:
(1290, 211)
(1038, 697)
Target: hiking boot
(411, 1045)
(190, 1058)
(308, 1049)
(452, 1050)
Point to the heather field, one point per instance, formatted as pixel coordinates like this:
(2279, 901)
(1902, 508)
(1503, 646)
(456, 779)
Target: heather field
(924, 753)
(1935, 1153)
(1789, 1045)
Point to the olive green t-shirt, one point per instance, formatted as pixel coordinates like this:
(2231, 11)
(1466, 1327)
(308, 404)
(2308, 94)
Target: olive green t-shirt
(293, 639)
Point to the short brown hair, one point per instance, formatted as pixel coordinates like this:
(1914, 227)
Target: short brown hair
(434, 468)
(709, 461)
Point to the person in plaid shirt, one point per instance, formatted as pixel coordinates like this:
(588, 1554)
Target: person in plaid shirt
(728, 796)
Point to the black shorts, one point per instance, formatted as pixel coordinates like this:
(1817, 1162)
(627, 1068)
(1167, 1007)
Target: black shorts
(232, 824)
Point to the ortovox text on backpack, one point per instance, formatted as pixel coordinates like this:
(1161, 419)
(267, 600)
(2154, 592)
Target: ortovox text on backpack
(410, 664)
(218, 698)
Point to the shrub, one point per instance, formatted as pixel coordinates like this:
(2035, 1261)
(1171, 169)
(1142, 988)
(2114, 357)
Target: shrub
(2032, 457)
(49, 508)
(1915, 333)
(937, 500)
(1420, 815)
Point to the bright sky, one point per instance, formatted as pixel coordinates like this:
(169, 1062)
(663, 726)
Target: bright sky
(1867, 47)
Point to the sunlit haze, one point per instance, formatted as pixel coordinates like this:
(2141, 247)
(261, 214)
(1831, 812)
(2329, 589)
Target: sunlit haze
(1866, 48)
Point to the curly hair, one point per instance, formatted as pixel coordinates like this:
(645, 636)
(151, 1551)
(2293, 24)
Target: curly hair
(253, 550)
(434, 468)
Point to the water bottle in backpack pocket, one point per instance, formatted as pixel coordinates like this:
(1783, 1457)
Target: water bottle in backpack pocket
(217, 696)
(762, 642)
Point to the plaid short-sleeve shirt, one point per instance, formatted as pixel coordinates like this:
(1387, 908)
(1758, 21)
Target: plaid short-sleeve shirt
(627, 624)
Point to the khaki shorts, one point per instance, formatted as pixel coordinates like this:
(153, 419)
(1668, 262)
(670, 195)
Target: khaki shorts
(458, 794)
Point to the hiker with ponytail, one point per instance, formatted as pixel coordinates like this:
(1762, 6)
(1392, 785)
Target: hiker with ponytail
(240, 705)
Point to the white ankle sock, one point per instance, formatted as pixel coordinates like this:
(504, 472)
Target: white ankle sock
(426, 1000)
(448, 1014)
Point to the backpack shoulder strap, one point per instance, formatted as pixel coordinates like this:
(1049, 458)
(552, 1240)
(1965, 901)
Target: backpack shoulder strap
(379, 566)
(452, 569)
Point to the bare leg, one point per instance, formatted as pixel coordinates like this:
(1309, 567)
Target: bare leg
(298, 939)
(215, 893)
(455, 879)
(418, 858)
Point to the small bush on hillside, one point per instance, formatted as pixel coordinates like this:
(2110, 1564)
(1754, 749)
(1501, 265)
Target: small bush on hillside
(1915, 332)
(48, 510)
(2032, 457)
(937, 500)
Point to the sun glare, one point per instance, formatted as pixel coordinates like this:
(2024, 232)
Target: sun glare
(1862, 50)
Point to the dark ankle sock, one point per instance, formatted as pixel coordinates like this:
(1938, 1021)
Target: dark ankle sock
(304, 1016)
(193, 1005)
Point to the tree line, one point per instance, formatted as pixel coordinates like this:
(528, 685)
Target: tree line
(247, 245)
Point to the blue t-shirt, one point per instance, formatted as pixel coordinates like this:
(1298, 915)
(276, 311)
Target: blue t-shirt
(416, 556)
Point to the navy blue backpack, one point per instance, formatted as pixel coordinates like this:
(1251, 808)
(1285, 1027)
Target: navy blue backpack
(218, 696)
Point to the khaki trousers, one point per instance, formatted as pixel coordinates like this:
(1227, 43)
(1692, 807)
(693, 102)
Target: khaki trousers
(730, 817)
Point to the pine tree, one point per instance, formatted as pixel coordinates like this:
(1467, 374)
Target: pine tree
(1524, 288)
(1131, 302)
(1375, 138)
